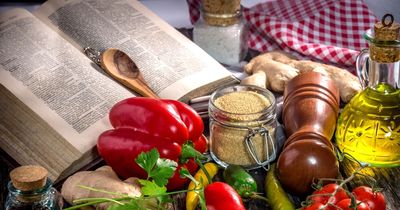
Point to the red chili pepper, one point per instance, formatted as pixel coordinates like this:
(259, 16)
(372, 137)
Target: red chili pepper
(221, 196)
(141, 124)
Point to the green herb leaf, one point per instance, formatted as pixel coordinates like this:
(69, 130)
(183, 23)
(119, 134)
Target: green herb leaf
(185, 173)
(188, 151)
(159, 169)
(147, 160)
(150, 188)
(164, 170)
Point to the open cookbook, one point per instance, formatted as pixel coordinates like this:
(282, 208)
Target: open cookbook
(55, 100)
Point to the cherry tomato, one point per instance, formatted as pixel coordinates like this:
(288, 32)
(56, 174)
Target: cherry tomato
(345, 204)
(317, 196)
(375, 200)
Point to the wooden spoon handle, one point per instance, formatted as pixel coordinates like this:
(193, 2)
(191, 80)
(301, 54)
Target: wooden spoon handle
(137, 85)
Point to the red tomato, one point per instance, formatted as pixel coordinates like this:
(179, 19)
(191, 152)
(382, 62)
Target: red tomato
(316, 206)
(346, 203)
(375, 200)
(317, 196)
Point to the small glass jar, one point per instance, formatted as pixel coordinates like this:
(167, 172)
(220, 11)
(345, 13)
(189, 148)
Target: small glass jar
(25, 192)
(245, 139)
(222, 34)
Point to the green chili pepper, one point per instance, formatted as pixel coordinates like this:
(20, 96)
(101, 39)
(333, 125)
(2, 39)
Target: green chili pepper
(277, 197)
(240, 180)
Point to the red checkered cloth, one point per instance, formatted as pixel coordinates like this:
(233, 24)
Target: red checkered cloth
(326, 30)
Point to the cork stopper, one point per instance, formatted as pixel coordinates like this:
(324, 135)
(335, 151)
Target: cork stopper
(221, 12)
(29, 178)
(386, 31)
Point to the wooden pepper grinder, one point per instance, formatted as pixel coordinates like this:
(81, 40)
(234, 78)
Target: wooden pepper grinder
(310, 112)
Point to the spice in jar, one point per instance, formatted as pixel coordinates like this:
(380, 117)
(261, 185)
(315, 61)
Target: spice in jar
(242, 126)
(242, 102)
(221, 32)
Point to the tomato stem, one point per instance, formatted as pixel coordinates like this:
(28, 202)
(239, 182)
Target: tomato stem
(342, 183)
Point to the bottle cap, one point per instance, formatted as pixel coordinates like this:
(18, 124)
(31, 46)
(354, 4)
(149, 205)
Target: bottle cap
(221, 12)
(29, 177)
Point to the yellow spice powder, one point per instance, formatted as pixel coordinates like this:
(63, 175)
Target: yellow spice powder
(228, 143)
(242, 102)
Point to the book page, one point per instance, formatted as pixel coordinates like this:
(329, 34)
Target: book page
(171, 64)
(55, 79)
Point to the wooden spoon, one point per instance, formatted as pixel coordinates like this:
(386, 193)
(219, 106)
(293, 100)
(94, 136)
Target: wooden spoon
(121, 67)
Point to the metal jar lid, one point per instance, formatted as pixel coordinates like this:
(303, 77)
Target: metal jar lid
(221, 12)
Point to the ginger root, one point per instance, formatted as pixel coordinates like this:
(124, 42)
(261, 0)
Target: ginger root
(104, 178)
(275, 77)
(280, 67)
(258, 79)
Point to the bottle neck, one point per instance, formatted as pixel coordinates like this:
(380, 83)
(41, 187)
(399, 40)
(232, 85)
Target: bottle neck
(384, 77)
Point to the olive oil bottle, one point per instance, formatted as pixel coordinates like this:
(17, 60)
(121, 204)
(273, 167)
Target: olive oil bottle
(368, 127)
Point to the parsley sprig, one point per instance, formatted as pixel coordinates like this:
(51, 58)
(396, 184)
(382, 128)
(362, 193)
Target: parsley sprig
(154, 192)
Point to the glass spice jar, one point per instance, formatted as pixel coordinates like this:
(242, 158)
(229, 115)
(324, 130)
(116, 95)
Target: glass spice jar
(221, 31)
(30, 189)
(243, 126)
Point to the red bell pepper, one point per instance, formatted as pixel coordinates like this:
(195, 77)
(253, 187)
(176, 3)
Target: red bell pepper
(141, 124)
(221, 196)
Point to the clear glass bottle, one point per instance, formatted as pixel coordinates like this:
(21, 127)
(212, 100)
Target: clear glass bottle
(221, 31)
(368, 128)
(30, 189)
(239, 136)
